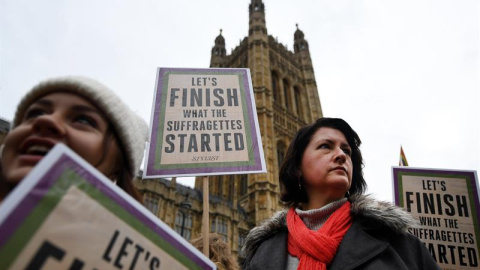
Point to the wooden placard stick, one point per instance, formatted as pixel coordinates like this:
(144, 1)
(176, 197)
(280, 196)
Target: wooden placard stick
(206, 217)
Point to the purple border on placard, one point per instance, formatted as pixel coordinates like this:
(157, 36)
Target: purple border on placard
(156, 115)
(52, 175)
(29, 202)
(251, 117)
(206, 170)
(470, 174)
(396, 190)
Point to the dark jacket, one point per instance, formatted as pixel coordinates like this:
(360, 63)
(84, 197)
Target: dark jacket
(377, 239)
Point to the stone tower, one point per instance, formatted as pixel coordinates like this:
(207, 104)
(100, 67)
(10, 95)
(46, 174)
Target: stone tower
(286, 98)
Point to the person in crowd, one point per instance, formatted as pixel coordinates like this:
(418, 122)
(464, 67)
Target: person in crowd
(219, 252)
(84, 115)
(330, 223)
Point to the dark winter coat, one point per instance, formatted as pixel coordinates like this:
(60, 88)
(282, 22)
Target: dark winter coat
(377, 239)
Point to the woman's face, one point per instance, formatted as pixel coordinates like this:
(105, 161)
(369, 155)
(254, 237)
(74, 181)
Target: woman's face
(58, 118)
(326, 166)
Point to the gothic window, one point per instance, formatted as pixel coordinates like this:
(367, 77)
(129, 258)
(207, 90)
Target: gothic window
(184, 220)
(298, 103)
(220, 186)
(286, 88)
(231, 187)
(220, 226)
(243, 184)
(216, 185)
(281, 151)
(242, 235)
(275, 87)
(151, 203)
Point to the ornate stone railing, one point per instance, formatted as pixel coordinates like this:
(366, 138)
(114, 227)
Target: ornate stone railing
(286, 122)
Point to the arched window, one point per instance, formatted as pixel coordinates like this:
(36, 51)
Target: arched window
(216, 185)
(281, 151)
(275, 87)
(220, 225)
(220, 186)
(242, 236)
(231, 187)
(151, 203)
(298, 101)
(184, 224)
(243, 184)
(286, 88)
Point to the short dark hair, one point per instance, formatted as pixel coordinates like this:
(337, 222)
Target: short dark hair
(290, 174)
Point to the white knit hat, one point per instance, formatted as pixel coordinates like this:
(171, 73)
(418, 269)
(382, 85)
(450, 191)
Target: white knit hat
(131, 129)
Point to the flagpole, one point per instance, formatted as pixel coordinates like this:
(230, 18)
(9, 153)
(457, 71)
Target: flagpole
(403, 159)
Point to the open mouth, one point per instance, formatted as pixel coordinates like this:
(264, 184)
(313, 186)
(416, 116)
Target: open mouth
(37, 150)
(37, 146)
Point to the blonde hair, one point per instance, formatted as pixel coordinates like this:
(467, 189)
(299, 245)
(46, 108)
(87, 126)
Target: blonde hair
(219, 252)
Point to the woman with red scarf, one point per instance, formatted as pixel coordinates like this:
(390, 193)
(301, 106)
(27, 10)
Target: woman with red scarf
(330, 223)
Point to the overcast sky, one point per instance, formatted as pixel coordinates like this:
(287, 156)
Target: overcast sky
(400, 72)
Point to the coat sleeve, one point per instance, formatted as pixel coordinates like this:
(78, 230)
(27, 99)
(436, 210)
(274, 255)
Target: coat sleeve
(270, 254)
(414, 253)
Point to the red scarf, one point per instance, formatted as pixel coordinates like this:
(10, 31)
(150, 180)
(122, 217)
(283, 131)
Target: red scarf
(316, 249)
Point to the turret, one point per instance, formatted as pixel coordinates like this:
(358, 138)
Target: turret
(257, 25)
(218, 52)
(300, 44)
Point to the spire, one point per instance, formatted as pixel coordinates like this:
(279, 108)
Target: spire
(300, 44)
(219, 48)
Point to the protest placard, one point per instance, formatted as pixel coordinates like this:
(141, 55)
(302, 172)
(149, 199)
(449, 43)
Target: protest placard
(67, 215)
(446, 202)
(203, 122)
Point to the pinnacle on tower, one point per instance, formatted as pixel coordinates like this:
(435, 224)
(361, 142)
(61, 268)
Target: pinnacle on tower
(219, 48)
(300, 44)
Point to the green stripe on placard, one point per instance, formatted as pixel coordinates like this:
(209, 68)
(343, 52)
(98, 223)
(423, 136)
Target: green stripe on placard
(32, 223)
(246, 120)
(69, 178)
(161, 122)
(470, 189)
(248, 129)
(471, 196)
(400, 190)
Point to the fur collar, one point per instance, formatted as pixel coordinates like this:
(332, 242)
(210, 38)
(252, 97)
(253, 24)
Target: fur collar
(364, 208)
